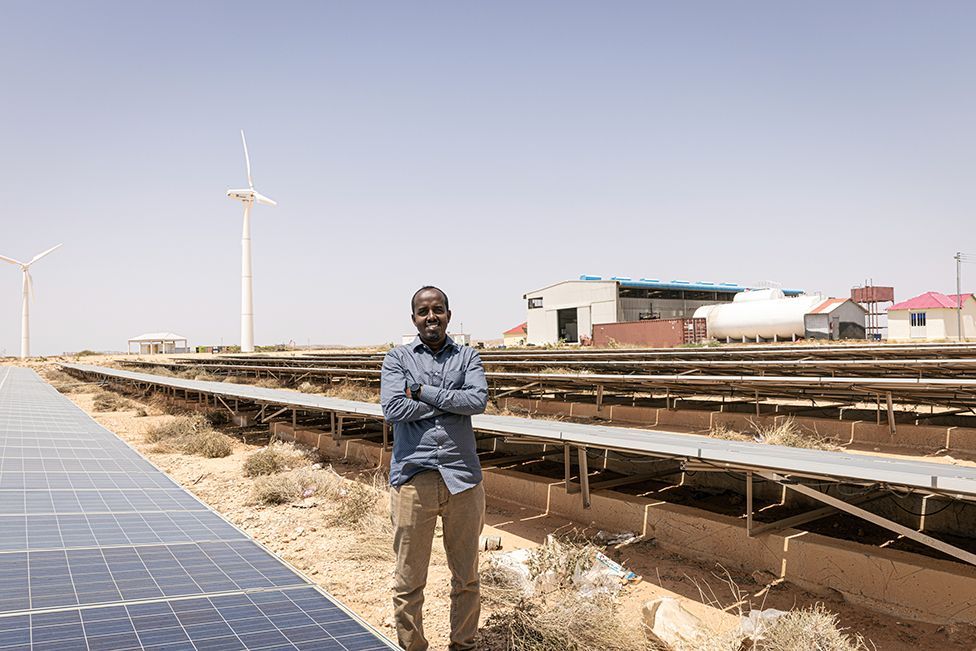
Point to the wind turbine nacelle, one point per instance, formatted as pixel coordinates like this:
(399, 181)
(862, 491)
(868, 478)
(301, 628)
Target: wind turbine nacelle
(241, 195)
(251, 195)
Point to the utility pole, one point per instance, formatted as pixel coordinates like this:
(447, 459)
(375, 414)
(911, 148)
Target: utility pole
(960, 258)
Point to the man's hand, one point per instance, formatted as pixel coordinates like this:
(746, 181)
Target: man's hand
(407, 392)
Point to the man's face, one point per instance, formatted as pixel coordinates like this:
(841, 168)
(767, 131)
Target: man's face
(431, 317)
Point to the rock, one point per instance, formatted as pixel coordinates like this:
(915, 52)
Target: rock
(668, 623)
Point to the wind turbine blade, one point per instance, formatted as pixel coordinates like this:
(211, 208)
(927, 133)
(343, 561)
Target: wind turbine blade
(41, 255)
(247, 161)
(10, 260)
(268, 201)
(30, 285)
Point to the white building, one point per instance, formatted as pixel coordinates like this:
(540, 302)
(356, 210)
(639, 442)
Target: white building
(932, 316)
(154, 343)
(568, 310)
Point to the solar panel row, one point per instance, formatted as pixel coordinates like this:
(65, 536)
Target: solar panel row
(100, 550)
(733, 454)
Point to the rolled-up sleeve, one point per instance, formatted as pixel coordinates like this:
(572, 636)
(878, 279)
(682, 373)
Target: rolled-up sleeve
(470, 399)
(397, 407)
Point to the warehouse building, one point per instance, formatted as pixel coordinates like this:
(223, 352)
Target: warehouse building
(567, 311)
(932, 316)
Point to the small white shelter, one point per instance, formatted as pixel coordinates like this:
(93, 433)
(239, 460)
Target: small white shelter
(932, 316)
(155, 343)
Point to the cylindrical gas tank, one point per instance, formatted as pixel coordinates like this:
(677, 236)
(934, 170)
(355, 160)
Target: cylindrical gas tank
(754, 316)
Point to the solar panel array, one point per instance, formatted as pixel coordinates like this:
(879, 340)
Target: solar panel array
(729, 454)
(99, 550)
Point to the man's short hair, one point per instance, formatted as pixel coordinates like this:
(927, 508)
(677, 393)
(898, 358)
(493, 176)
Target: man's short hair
(413, 299)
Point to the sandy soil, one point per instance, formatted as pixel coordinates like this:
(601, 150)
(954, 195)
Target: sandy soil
(357, 569)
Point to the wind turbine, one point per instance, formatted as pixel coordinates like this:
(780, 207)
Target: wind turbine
(28, 297)
(247, 197)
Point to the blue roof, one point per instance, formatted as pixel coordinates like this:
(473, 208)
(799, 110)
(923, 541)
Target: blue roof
(698, 285)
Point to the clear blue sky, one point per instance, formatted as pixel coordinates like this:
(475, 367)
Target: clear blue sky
(490, 148)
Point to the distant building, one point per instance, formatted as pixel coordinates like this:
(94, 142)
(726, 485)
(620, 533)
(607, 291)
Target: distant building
(836, 318)
(568, 310)
(932, 316)
(517, 336)
(155, 343)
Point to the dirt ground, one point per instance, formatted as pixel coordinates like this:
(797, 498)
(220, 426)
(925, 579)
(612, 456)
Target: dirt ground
(358, 570)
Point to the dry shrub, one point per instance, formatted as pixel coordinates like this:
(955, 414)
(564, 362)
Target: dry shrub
(275, 489)
(65, 383)
(274, 458)
(106, 401)
(285, 487)
(355, 503)
(190, 435)
(376, 543)
(309, 387)
(267, 383)
(141, 413)
(812, 628)
(176, 428)
(788, 433)
(564, 621)
(351, 504)
(208, 443)
(348, 390)
(727, 433)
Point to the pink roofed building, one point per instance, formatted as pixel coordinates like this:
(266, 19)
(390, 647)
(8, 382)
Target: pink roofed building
(933, 316)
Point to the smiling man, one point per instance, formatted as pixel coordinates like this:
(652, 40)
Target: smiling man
(430, 389)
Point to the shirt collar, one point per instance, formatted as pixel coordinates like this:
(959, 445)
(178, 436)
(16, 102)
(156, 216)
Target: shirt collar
(418, 343)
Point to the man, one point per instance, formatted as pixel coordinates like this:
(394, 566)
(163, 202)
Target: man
(430, 388)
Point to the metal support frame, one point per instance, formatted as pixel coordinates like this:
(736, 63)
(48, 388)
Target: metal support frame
(584, 472)
(911, 534)
(515, 390)
(753, 529)
(232, 412)
(891, 414)
(277, 413)
(517, 459)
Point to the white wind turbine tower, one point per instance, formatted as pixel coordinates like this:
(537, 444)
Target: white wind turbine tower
(28, 297)
(248, 197)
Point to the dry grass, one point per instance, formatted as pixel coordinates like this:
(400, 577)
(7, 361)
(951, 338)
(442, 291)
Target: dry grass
(274, 458)
(351, 504)
(727, 433)
(787, 433)
(354, 504)
(65, 383)
(208, 443)
(553, 614)
(353, 391)
(284, 487)
(106, 401)
(190, 435)
(309, 387)
(564, 621)
(813, 628)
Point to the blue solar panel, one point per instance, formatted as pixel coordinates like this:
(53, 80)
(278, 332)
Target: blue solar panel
(99, 550)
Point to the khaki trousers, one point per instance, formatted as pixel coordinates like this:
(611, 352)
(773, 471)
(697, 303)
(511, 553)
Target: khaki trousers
(414, 508)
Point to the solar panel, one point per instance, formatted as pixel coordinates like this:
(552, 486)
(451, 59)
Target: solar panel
(101, 550)
(732, 454)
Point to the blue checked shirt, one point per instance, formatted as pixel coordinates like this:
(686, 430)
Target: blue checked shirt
(434, 433)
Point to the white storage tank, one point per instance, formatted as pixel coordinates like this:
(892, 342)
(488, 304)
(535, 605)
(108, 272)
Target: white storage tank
(763, 314)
